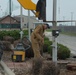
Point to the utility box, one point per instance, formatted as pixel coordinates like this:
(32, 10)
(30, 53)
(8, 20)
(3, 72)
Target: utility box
(18, 53)
(55, 33)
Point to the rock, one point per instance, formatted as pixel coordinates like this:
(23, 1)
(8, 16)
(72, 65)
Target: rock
(71, 66)
(7, 45)
(8, 38)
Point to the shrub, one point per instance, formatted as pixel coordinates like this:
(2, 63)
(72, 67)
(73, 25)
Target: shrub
(13, 33)
(50, 50)
(47, 43)
(25, 32)
(45, 48)
(2, 33)
(63, 52)
(46, 38)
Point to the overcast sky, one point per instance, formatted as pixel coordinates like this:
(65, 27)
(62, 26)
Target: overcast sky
(65, 9)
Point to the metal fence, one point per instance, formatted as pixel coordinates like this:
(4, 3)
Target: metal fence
(68, 28)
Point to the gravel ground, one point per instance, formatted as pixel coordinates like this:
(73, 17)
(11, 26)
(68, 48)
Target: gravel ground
(23, 67)
(7, 56)
(67, 72)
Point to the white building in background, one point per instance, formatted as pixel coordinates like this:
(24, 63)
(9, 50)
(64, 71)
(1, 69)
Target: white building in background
(25, 21)
(17, 15)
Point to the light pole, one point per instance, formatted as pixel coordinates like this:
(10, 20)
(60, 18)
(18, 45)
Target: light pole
(63, 20)
(10, 12)
(71, 18)
(54, 50)
(21, 32)
(29, 23)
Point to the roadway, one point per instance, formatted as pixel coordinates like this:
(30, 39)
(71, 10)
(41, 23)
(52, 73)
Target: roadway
(69, 41)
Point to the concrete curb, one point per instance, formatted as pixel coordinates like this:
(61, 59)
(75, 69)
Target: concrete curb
(6, 69)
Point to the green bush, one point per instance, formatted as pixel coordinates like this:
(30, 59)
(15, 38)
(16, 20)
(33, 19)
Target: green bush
(2, 33)
(46, 39)
(63, 52)
(47, 43)
(50, 50)
(25, 32)
(13, 33)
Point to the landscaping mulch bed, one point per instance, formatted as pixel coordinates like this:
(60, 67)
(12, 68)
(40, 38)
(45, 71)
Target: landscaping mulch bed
(21, 68)
(7, 56)
(67, 72)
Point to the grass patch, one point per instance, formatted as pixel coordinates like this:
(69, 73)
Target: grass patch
(49, 30)
(69, 33)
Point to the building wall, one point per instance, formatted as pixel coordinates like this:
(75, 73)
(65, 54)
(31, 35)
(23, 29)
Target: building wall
(25, 21)
(68, 28)
(9, 20)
